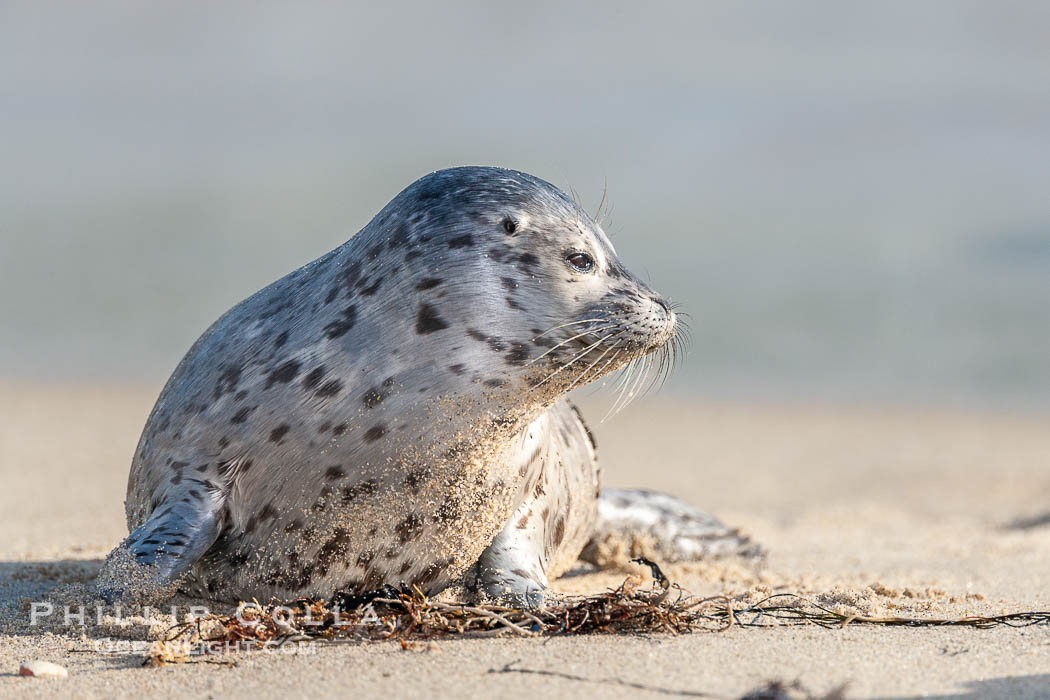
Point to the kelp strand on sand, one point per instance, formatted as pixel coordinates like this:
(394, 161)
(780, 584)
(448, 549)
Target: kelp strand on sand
(410, 618)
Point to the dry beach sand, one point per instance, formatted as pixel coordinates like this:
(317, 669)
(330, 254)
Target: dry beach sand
(883, 512)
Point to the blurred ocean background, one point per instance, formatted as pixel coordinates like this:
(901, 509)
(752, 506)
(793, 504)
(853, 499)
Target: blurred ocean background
(852, 200)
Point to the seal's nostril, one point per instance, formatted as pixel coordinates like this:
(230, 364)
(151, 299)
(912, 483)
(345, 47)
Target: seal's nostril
(663, 303)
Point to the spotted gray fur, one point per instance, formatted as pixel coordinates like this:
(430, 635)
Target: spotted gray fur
(393, 412)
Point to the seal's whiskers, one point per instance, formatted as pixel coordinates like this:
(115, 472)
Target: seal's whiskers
(591, 366)
(574, 359)
(640, 381)
(569, 340)
(564, 325)
(624, 381)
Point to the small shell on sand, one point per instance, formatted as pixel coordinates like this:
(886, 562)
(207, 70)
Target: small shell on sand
(42, 669)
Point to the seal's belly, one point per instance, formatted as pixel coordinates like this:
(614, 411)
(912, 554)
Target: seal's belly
(422, 525)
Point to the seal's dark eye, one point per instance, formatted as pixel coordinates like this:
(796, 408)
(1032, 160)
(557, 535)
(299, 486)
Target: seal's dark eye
(510, 226)
(581, 261)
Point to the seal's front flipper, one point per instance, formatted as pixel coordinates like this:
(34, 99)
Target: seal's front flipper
(509, 571)
(634, 522)
(513, 569)
(147, 565)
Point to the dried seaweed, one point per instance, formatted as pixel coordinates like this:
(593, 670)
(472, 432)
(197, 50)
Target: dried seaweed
(411, 618)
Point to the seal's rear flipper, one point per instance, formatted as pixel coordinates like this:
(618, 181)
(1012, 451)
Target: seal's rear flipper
(633, 522)
(147, 565)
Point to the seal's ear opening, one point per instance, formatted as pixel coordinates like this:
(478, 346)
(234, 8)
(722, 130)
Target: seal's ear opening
(510, 225)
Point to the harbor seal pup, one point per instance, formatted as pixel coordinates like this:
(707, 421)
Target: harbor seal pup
(394, 412)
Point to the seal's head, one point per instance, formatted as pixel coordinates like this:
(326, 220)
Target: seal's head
(523, 274)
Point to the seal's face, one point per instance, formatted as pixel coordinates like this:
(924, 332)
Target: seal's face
(597, 315)
(534, 276)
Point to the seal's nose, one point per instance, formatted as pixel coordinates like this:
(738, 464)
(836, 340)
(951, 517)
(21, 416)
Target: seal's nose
(663, 304)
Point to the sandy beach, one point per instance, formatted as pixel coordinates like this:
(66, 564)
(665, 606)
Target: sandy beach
(874, 511)
(844, 205)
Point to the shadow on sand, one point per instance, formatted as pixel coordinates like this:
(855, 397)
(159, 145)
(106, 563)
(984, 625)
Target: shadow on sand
(57, 597)
(1034, 686)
